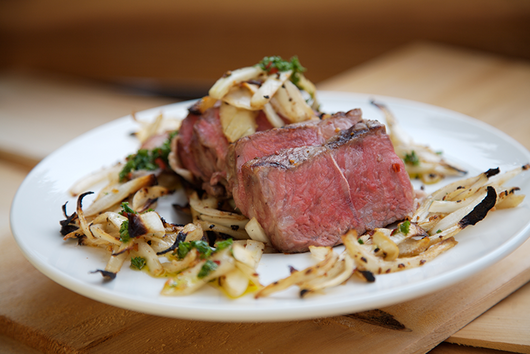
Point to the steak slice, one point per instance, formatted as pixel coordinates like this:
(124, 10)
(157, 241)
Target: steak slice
(294, 210)
(380, 187)
(185, 137)
(202, 149)
(312, 195)
(260, 144)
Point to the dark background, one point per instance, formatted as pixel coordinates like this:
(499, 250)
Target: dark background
(179, 48)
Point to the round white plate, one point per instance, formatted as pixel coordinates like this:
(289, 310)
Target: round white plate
(36, 212)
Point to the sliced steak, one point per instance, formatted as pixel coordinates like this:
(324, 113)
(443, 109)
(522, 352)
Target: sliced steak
(202, 148)
(294, 210)
(260, 144)
(312, 195)
(380, 187)
(184, 144)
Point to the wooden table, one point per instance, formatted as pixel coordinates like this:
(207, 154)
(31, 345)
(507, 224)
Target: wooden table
(37, 315)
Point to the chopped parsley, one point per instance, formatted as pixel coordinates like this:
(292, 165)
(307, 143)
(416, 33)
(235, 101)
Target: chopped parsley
(124, 232)
(126, 209)
(221, 245)
(412, 159)
(203, 248)
(439, 231)
(275, 64)
(147, 159)
(361, 242)
(207, 268)
(404, 227)
(185, 247)
(138, 263)
(142, 160)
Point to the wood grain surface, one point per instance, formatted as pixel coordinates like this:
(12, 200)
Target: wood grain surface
(50, 110)
(43, 315)
(506, 326)
(490, 88)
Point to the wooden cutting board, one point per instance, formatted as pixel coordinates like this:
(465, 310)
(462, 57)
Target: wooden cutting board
(505, 326)
(38, 312)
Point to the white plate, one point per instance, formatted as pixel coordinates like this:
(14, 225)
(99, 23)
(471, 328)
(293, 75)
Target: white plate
(36, 212)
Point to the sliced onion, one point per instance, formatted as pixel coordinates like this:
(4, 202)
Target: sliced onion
(237, 122)
(120, 193)
(268, 89)
(290, 103)
(231, 78)
(235, 282)
(255, 231)
(240, 97)
(273, 118)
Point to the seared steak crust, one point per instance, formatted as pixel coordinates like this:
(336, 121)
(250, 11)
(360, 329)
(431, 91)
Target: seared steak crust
(292, 209)
(260, 144)
(312, 195)
(203, 149)
(306, 183)
(380, 187)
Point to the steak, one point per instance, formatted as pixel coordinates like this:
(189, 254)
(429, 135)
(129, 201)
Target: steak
(260, 144)
(202, 149)
(312, 195)
(306, 183)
